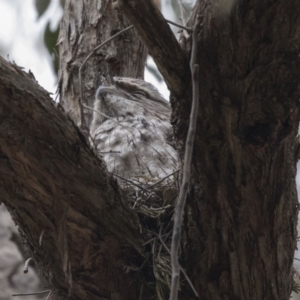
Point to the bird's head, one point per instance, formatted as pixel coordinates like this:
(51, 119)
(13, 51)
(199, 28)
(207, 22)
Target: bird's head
(102, 91)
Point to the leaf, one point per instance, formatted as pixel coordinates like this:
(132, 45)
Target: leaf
(41, 6)
(50, 39)
(155, 73)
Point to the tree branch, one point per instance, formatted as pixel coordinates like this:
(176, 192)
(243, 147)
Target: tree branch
(189, 145)
(160, 41)
(51, 180)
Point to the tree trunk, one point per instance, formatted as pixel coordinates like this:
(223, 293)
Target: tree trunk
(52, 181)
(242, 209)
(241, 212)
(84, 26)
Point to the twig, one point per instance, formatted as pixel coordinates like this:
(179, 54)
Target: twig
(49, 295)
(159, 181)
(135, 202)
(109, 152)
(180, 5)
(129, 181)
(84, 62)
(179, 209)
(25, 270)
(140, 268)
(82, 119)
(189, 281)
(108, 117)
(181, 269)
(34, 293)
(141, 291)
(41, 237)
(155, 238)
(180, 26)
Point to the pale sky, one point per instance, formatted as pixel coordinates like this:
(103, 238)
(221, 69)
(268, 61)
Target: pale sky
(21, 37)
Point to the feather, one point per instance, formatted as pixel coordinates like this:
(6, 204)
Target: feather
(130, 127)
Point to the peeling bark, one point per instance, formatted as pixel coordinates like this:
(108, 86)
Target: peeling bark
(84, 26)
(241, 213)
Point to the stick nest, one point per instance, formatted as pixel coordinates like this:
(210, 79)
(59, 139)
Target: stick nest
(155, 203)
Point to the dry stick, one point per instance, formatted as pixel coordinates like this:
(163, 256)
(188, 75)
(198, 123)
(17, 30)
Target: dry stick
(181, 269)
(180, 26)
(159, 181)
(49, 295)
(41, 237)
(84, 62)
(179, 210)
(129, 181)
(34, 293)
(141, 291)
(25, 270)
(180, 5)
(106, 116)
(109, 152)
(183, 7)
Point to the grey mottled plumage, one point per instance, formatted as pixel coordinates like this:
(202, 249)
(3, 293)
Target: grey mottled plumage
(131, 130)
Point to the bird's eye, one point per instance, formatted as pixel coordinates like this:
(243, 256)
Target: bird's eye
(139, 93)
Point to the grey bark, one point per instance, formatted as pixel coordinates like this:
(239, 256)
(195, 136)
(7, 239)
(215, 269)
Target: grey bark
(247, 153)
(51, 180)
(84, 26)
(241, 213)
(170, 58)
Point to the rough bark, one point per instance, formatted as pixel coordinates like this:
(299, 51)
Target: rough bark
(246, 153)
(51, 180)
(84, 26)
(245, 162)
(241, 212)
(160, 41)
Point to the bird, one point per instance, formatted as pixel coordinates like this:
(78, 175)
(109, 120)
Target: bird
(131, 130)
